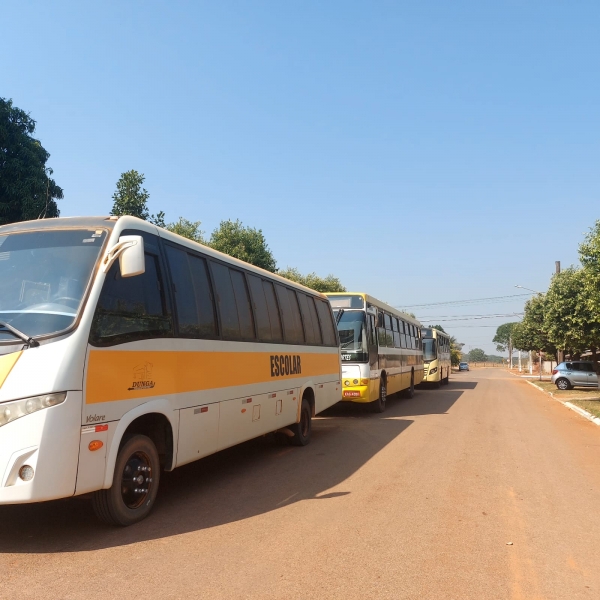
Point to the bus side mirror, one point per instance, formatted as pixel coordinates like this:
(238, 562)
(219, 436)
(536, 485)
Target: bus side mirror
(130, 252)
(132, 261)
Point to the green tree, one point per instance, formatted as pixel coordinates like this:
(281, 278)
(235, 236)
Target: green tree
(455, 351)
(27, 191)
(530, 333)
(330, 283)
(439, 328)
(476, 355)
(245, 243)
(569, 319)
(187, 229)
(130, 198)
(503, 339)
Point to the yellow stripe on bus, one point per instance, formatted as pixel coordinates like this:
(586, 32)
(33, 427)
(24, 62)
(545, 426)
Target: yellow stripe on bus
(123, 375)
(7, 362)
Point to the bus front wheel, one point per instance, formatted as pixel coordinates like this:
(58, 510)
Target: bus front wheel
(379, 404)
(135, 484)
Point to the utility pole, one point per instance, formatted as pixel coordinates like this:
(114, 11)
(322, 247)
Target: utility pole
(560, 354)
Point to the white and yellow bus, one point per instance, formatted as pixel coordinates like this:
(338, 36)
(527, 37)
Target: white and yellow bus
(436, 356)
(381, 349)
(126, 349)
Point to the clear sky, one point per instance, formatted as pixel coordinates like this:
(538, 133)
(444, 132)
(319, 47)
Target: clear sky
(421, 151)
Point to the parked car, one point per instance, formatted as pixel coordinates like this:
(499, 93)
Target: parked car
(576, 373)
(463, 366)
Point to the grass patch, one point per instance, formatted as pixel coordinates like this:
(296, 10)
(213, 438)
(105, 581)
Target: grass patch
(592, 406)
(586, 398)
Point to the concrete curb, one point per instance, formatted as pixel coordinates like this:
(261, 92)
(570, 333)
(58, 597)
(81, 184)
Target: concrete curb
(580, 411)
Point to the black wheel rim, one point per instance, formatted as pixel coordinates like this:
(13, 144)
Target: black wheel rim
(136, 480)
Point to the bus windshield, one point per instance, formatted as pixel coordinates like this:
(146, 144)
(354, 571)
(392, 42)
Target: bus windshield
(44, 275)
(429, 349)
(351, 327)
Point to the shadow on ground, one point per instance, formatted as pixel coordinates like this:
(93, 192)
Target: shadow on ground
(250, 479)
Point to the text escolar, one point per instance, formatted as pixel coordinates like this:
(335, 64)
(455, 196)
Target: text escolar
(282, 365)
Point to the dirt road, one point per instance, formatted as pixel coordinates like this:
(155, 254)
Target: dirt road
(483, 489)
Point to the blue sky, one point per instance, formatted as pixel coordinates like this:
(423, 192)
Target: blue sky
(421, 151)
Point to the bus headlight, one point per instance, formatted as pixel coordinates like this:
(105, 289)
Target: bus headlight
(10, 411)
(434, 370)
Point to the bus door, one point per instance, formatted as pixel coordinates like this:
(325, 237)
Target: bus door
(372, 342)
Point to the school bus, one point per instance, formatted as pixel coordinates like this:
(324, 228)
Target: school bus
(126, 350)
(436, 356)
(380, 346)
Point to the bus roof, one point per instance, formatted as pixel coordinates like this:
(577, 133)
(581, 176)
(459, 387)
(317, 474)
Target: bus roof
(381, 305)
(129, 222)
(435, 332)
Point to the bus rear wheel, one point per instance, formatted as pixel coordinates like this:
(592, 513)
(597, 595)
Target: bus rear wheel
(410, 392)
(135, 484)
(303, 430)
(379, 404)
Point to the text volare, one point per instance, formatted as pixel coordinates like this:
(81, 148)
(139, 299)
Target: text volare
(282, 365)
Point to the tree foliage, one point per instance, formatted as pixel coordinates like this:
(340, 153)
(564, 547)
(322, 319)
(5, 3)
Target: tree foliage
(330, 283)
(439, 328)
(476, 355)
(187, 229)
(26, 189)
(245, 243)
(130, 198)
(530, 333)
(503, 337)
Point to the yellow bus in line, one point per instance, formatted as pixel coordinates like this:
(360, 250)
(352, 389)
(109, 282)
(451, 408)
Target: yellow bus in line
(126, 349)
(380, 346)
(436, 356)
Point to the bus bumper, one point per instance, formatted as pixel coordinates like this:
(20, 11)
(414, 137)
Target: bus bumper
(358, 393)
(47, 441)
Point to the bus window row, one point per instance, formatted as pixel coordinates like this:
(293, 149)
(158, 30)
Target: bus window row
(210, 300)
(393, 332)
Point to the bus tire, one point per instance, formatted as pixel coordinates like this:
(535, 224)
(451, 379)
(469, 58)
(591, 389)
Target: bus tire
(410, 392)
(303, 430)
(378, 405)
(137, 465)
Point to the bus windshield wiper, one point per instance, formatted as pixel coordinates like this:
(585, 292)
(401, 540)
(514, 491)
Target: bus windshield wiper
(339, 315)
(31, 343)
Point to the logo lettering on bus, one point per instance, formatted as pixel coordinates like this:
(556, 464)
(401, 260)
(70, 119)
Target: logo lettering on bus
(141, 377)
(94, 418)
(285, 364)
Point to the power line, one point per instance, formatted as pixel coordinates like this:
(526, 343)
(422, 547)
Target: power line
(486, 316)
(465, 302)
(472, 318)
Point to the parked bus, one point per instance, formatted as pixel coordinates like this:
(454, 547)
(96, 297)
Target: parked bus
(436, 356)
(126, 349)
(381, 349)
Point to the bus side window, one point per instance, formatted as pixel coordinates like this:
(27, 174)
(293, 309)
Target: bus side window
(193, 297)
(396, 332)
(326, 320)
(131, 308)
(309, 317)
(402, 334)
(292, 323)
(274, 314)
(205, 304)
(242, 300)
(261, 311)
(230, 323)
